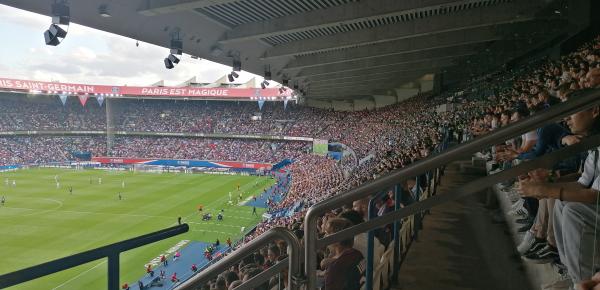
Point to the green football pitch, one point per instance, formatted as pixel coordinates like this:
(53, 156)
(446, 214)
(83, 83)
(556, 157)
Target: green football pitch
(40, 222)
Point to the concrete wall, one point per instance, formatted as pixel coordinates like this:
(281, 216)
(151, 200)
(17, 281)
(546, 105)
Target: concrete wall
(404, 94)
(342, 106)
(426, 86)
(318, 104)
(382, 101)
(364, 104)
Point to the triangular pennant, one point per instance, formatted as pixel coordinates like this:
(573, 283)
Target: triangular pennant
(83, 99)
(63, 99)
(100, 100)
(285, 104)
(260, 104)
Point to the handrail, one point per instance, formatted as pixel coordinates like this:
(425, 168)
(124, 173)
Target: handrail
(580, 101)
(111, 252)
(545, 161)
(293, 249)
(371, 241)
(264, 275)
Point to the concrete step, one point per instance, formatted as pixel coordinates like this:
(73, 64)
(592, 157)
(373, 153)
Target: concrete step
(472, 169)
(461, 247)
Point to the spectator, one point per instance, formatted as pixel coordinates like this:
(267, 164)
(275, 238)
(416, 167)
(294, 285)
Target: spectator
(343, 272)
(574, 212)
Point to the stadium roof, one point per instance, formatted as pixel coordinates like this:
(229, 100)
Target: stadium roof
(339, 48)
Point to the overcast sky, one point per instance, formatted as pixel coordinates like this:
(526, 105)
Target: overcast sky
(90, 56)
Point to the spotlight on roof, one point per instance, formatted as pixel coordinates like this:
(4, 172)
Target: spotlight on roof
(61, 13)
(176, 48)
(237, 65)
(235, 75)
(103, 11)
(230, 78)
(168, 63)
(264, 84)
(55, 34)
(173, 58)
(268, 73)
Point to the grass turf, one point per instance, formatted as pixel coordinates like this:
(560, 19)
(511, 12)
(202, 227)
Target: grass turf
(40, 222)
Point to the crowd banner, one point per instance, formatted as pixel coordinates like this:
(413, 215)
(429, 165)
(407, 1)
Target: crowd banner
(100, 100)
(183, 163)
(63, 98)
(83, 99)
(126, 91)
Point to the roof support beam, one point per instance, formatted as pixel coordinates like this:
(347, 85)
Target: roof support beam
(418, 44)
(386, 79)
(387, 76)
(360, 11)
(417, 66)
(373, 85)
(361, 76)
(349, 92)
(156, 7)
(413, 58)
(400, 71)
(483, 17)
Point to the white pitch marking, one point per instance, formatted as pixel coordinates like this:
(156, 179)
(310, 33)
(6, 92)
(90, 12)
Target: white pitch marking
(79, 275)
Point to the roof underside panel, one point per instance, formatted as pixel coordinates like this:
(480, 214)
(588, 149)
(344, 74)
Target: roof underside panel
(247, 11)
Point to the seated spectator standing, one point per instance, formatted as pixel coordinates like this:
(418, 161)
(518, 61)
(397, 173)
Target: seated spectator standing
(361, 240)
(231, 277)
(344, 272)
(272, 255)
(575, 210)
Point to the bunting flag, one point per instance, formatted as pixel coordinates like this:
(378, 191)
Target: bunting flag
(285, 104)
(83, 99)
(260, 104)
(63, 99)
(100, 100)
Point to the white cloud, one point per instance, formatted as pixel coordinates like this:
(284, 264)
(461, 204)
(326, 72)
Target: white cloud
(112, 59)
(24, 18)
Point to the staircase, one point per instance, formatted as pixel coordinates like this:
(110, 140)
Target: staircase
(461, 245)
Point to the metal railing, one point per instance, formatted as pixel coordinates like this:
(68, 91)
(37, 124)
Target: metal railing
(581, 101)
(111, 252)
(292, 261)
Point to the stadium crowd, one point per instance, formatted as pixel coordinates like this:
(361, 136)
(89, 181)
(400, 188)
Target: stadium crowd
(47, 149)
(43, 113)
(207, 149)
(385, 139)
(555, 208)
(558, 215)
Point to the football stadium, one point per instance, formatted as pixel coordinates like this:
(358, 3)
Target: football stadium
(300, 144)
